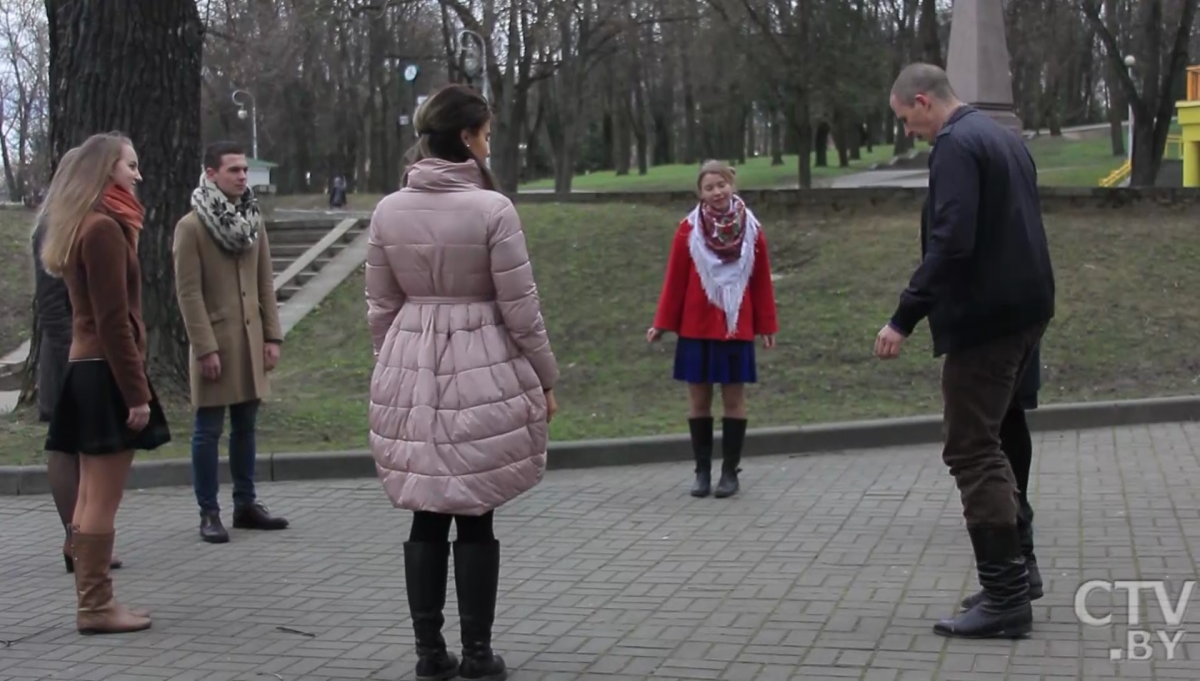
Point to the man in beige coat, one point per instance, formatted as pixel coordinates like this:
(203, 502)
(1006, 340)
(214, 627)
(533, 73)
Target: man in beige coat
(225, 285)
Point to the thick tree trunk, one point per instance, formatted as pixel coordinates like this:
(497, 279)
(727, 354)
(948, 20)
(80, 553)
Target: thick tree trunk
(624, 137)
(1117, 104)
(927, 33)
(134, 66)
(776, 138)
(821, 145)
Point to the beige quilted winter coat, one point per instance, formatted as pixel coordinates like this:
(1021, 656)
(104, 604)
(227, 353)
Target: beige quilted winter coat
(458, 412)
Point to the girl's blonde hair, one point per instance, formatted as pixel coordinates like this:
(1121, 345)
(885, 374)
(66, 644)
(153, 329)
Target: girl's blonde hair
(721, 168)
(83, 174)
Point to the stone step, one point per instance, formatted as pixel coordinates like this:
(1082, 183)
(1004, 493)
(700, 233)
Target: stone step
(291, 251)
(284, 294)
(295, 235)
(278, 265)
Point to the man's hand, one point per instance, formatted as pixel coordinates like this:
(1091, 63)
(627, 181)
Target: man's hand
(769, 341)
(888, 342)
(271, 356)
(653, 334)
(210, 366)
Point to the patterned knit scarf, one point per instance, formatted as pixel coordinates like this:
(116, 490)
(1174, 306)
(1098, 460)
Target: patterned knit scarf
(724, 230)
(234, 228)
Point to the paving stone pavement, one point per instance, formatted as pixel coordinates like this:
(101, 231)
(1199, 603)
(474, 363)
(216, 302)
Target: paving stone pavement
(825, 567)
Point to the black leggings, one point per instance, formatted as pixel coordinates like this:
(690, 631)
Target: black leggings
(434, 528)
(1018, 447)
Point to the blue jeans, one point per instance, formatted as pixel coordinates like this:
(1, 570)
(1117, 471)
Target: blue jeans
(206, 436)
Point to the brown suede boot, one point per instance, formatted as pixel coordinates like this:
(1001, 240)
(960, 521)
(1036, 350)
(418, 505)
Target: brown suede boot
(115, 563)
(98, 612)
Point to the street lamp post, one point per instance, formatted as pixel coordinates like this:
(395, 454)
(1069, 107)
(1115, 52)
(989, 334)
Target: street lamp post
(1129, 64)
(253, 117)
(474, 60)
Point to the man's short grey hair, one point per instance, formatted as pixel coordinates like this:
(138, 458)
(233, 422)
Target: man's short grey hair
(922, 79)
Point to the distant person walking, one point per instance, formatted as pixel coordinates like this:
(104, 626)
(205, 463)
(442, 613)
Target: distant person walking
(107, 407)
(986, 285)
(717, 296)
(463, 389)
(226, 289)
(337, 193)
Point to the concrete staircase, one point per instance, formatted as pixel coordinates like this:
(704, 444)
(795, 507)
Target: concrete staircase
(292, 256)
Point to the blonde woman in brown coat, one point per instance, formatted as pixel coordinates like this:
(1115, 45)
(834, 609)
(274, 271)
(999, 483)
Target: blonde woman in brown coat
(107, 408)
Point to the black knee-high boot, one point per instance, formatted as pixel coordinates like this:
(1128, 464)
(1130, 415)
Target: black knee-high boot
(477, 578)
(1018, 448)
(733, 436)
(426, 568)
(1004, 610)
(702, 450)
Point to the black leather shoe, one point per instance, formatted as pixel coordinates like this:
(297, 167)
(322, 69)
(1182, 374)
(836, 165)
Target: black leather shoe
(211, 529)
(1004, 611)
(257, 517)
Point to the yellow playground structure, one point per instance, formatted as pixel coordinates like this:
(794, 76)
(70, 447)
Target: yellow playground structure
(1189, 123)
(1185, 145)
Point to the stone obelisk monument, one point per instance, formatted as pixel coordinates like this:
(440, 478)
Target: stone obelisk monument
(977, 59)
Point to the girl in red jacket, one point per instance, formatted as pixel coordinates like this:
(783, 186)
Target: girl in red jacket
(717, 296)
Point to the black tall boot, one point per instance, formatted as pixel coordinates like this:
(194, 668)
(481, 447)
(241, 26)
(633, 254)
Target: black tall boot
(426, 567)
(1004, 611)
(733, 436)
(1025, 533)
(477, 577)
(702, 450)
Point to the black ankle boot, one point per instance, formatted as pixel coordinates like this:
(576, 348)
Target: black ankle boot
(1036, 590)
(733, 436)
(702, 450)
(425, 570)
(1004, 611)
(477, 576)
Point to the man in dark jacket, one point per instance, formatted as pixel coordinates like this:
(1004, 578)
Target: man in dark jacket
(986, 284)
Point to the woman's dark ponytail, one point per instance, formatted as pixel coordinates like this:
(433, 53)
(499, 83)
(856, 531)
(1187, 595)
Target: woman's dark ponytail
(440, 121)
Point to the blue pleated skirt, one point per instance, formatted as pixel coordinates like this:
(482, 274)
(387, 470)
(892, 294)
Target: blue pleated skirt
(713, 361)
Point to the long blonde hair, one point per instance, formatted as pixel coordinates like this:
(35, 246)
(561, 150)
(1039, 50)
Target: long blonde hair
(82, 176)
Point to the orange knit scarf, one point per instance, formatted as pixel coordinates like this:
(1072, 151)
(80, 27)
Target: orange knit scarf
(118, 202)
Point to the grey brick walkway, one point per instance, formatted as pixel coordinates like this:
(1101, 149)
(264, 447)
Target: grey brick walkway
(826, 567)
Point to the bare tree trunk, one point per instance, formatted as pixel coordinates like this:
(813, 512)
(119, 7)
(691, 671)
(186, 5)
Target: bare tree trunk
(821, 145)
(624, 137)
(931, 45)
(1112, 83)
(776, 137)
(134, 66)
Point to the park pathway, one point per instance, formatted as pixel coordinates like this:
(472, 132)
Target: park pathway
(830, 566)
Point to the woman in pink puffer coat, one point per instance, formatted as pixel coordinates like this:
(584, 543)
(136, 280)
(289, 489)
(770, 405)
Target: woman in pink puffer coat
(461, 396)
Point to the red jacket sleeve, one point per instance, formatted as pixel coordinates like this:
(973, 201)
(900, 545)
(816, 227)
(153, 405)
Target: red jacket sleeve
(670, 304)
(762, 290)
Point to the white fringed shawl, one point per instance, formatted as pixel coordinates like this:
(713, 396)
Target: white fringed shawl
(724, 282)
